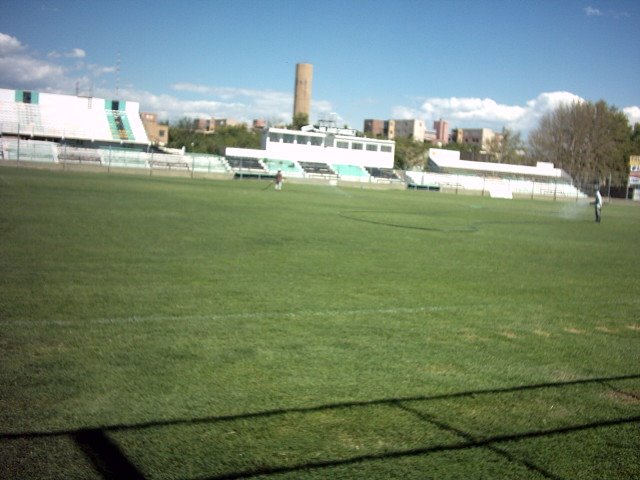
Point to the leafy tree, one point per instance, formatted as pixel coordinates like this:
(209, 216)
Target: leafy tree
(185, 123)
(410, 154)
(507, 147)
(299, 121)
(184, 135)
(590, 141)
(635, 140)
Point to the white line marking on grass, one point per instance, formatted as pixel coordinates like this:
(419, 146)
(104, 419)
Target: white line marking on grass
(229, 316)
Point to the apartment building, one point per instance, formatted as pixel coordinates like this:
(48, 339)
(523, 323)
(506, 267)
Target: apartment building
(158, 134)
(441, 128)
(376, 128)
(413, 128)
(209, 125)
(392, 129)
(479, 137)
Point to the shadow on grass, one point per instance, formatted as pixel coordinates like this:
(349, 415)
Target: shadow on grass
(111, 462)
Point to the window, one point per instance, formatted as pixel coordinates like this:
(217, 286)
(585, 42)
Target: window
(302, 140)
(372, 147)
(115, 105)
(317, 141)
(340, 144)
(356, 146)
(274, 137)
(385, 148)
(26, 97)
(288, 138)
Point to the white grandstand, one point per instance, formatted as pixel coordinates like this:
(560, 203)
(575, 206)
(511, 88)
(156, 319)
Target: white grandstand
(104, 133)
(65, 129)
(322, 152)
(88, 121)
(447, 171)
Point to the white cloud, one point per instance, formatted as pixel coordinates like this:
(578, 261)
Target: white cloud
(593, 12)
(541, 105)
(22, 68)
(75, 53)
(29, 72)
(406, 113)
(633, 114)
(241, 104)
(244, 104)
(9, 45)
(473, 112)
(475, 109)
(596, 12)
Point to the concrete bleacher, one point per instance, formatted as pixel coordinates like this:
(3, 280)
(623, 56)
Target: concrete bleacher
(27, 150)
(208, 163)
(383, 173)
(78, 155)
(351, 172)
(68, 117)
(494, 186)
(317, 169)
(288, 167)
(246, 163)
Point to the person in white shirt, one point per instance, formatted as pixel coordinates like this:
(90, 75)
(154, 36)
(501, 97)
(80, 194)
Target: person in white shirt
(598, 204)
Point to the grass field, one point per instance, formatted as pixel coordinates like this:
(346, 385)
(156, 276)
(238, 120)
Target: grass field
(168, 328)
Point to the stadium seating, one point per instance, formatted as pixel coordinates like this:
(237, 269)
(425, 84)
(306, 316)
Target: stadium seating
(208, 163)
(67, 117)
(385, 173)
(317, 168)
(246, 163)
(27, 150)
(350, 171)
(78, 155)
(287, 167)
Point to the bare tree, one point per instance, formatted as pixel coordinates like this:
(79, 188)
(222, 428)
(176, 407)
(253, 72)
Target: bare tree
(590, 141)
(507, 147)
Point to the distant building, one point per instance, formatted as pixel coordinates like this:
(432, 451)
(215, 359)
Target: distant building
(442, 131)
(226, 122)
(158, 134)
(429, 136)
(376, 128)
(209, 125)
(391, 129)
(407, 129)
(204, 125)
(479, 137)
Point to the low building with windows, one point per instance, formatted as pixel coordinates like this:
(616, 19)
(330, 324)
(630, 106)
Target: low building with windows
(329, 150)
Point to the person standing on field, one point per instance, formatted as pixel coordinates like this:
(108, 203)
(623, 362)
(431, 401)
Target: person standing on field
(598, 204)
(279, 180)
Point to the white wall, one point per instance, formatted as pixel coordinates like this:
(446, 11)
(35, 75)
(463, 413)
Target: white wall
(328, 152)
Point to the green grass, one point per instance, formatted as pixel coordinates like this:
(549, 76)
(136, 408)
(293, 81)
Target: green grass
(199, 329)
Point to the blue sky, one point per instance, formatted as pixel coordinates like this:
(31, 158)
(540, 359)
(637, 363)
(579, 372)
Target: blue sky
(474, 63)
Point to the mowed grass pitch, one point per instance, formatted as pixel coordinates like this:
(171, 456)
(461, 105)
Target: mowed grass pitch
(195, 329)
